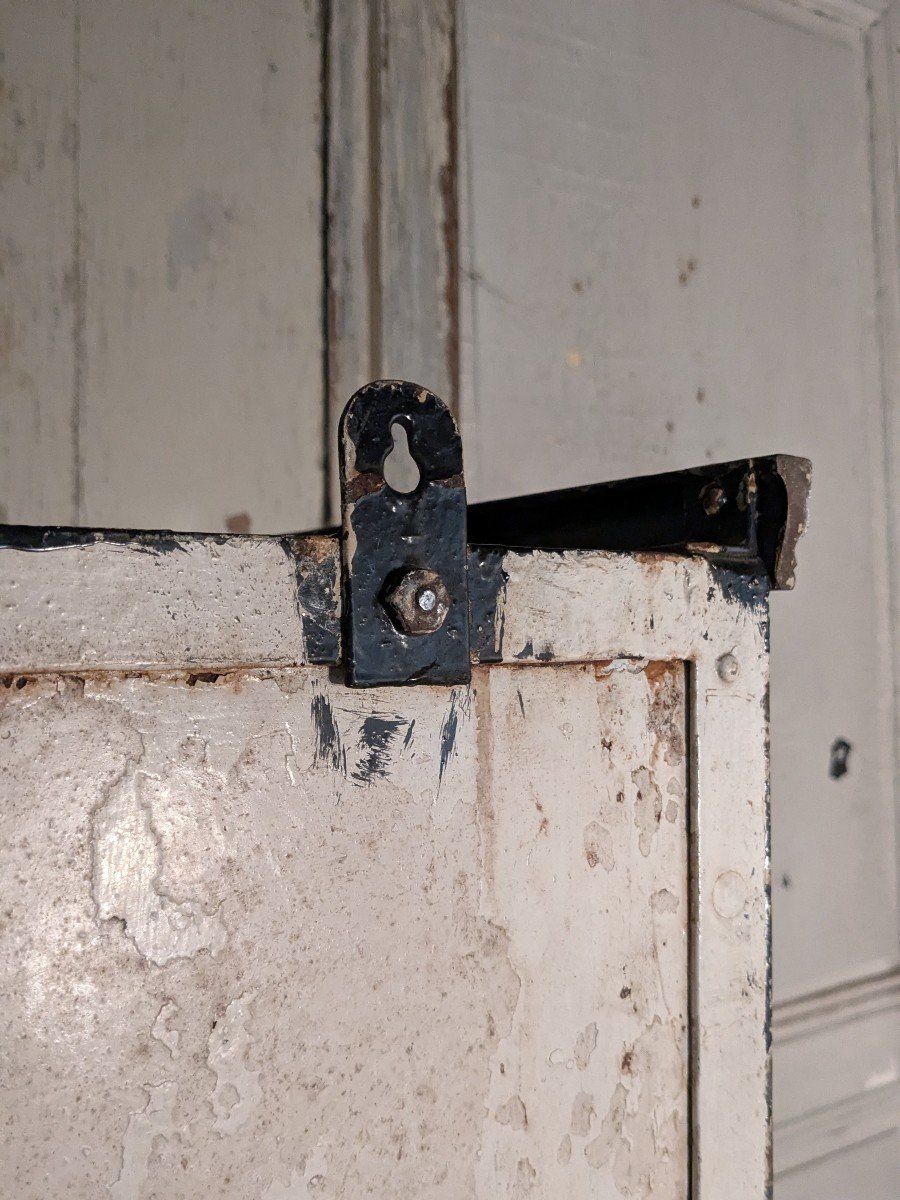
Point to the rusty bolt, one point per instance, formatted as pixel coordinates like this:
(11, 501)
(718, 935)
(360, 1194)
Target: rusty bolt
(713, 498)
(418, 602)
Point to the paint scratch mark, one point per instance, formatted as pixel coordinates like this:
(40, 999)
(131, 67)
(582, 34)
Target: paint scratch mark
(449, 731)
(328, 739)
(375, 740)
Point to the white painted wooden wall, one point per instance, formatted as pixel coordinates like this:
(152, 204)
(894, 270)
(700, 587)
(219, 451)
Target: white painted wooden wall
(676, 241)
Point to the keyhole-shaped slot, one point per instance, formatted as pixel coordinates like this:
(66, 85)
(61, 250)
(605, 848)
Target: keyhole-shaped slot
(401, 471)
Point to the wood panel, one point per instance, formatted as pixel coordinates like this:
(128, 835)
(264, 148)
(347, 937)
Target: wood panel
(392, 238)
(38, 271)
(201, 194)
(670, 260)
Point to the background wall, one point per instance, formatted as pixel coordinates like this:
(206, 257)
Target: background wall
(620, 236)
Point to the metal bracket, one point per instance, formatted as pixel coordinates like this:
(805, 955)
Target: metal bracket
(404, 556)
(745, 515)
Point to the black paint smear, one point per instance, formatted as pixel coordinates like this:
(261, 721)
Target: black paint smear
(409, 734)
(375, 739)
(527, 651)
(448, 735)
(521, 702)
(840, 753)
(328, 740)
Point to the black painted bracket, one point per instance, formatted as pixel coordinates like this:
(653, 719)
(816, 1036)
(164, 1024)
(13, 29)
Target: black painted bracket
(747, 515)
(404, 555)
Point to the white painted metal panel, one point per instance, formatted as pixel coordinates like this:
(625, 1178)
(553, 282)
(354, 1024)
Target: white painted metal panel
(290, 936)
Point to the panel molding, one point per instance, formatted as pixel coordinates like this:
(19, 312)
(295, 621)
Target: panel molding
(814, 1013)
(821, 1019)
(828, 1131)
(836, 18)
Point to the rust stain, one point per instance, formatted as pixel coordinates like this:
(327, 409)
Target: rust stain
(238, 523)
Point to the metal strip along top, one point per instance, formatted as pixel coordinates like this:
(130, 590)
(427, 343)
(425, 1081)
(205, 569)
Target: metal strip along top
(403, 554)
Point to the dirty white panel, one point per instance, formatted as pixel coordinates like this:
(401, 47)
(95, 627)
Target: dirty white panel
(38, 278)
(867, 1172)
(164, 603)
(582, 806)
(200, 190)
(628, 615)
(267, 937)
(670, 261)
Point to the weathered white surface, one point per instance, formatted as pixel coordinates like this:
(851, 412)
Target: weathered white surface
(162, 235)
(589, 1086)
(37, 261)
(445, 944)
(229, 602)
(237, 851)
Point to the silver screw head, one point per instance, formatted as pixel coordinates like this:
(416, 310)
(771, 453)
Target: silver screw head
(728, 668)
(426, 599)
(418, 602)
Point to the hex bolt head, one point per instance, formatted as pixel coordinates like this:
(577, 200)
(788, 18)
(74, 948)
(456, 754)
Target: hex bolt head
(728, 668)
(417, 602)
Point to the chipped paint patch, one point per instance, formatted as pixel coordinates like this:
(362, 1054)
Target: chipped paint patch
(642, 1115)
(729, 895)
(598, 846)
(237, 1091)
(153, 1121)
(513, 1113)
(583, 1114)
(647, 808)
(664, 901)
(161, 1030)
(128, 862)
(585, 1045)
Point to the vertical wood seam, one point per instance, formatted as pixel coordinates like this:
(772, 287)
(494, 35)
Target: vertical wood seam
(377, 50)
(325, 235)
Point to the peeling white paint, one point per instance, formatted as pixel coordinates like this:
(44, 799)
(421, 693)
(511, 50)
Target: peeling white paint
(161, 1030)
(127, 866)
(153, 1121)
(237, 1092)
